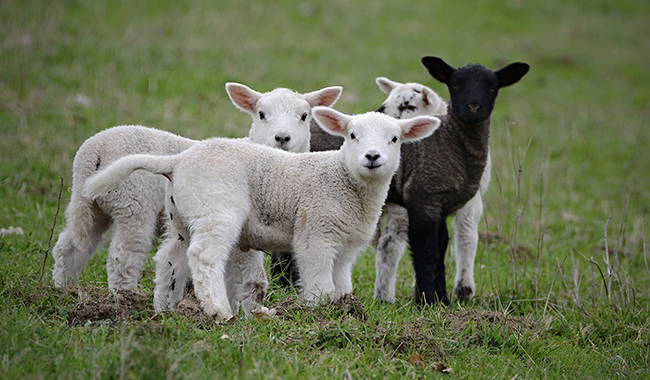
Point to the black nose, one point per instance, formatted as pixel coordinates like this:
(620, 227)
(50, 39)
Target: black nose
(474, 108)
(372, 157)
(282, 138)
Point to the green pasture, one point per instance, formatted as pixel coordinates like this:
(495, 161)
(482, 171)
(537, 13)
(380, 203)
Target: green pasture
(563, 284)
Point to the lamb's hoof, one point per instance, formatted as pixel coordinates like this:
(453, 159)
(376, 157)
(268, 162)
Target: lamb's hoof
(434, 300)
(464, 293)
(263, 313)
(384, 299)
(218, 314)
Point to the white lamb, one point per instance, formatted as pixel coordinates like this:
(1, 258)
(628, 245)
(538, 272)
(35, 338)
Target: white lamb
(227, 194)
(281, 119)
(405, 101)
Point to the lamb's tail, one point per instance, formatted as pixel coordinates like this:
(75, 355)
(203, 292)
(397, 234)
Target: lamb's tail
(107, 179)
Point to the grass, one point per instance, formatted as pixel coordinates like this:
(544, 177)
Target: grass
(562, 276)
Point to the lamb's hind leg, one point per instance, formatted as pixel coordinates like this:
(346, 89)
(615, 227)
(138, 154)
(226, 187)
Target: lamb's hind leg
(172, 270)
(130, 246)
(466, 237)
(465, 244)
(208, 253)
(86, 224)
(246, 281)
(390, 248)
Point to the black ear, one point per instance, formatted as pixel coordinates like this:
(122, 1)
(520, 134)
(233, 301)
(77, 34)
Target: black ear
(438, 68)
(511, 73)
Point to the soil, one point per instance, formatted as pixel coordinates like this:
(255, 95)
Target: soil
(96, 304)
(418, 336)
(460, 319)
(347, 305)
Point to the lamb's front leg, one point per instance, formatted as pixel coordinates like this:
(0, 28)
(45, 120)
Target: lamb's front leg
(465, 224)
(316, 272)
(342, 273)
(390, 248)
(429, 240)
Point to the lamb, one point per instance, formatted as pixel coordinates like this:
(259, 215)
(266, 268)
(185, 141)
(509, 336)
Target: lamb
(439, 175)
(456, 158)
(404, 101)
(408, 100)
(136, 207)
(226, 194)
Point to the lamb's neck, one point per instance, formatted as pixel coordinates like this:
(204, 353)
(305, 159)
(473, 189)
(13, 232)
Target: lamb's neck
(370, 191)
(475, 138)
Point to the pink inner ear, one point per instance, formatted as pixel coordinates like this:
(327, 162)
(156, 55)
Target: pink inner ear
(385, 86)
(244, 98)
(418, 130)
(326, 97)
(332, 123)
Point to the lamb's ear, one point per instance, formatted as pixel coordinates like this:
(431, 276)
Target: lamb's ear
(438, 68)
(386, 85)
(511, 73)
(243, 97)
(419, 127)
(331, 121)
(428, 95)
(325, 97)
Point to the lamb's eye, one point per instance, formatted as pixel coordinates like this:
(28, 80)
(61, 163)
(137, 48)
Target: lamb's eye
(455, 87)
(352, 136)
(394, 139)
(262, 115)
(493, 90)
(303, 117)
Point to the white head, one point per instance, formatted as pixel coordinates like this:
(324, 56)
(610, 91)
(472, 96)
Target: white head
(372, 140)
(409, 100)
(281, 117)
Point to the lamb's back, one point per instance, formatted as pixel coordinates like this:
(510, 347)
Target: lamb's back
(106, 146)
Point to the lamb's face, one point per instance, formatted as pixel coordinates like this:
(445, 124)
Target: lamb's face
(473, 88)
(372, 145)
(472, 92)
(409, 100)
(372, 140)
(281, 120)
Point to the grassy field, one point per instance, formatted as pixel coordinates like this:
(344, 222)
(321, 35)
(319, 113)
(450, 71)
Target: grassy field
(563, 285)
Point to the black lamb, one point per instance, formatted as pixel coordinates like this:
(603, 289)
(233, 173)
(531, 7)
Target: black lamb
(439, 174)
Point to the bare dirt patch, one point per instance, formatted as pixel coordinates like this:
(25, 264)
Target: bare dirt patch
(347, 305)
(460, 320)
(190, 308)
(96, 304)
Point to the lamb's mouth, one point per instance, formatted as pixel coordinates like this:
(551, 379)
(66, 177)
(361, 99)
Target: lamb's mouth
(373, 166)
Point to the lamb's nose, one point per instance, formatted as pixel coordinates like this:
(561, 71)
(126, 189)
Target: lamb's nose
(282, 138)
(473, 108)
(372, 156)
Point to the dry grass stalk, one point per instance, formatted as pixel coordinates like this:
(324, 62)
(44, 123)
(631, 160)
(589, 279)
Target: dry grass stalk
(49, 241)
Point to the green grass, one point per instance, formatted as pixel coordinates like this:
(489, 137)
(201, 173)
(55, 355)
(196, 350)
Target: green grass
(568, 147)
